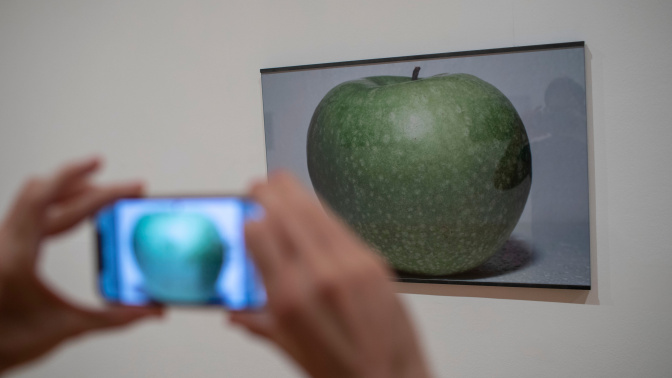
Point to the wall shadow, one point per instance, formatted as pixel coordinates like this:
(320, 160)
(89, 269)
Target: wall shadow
(496, 292)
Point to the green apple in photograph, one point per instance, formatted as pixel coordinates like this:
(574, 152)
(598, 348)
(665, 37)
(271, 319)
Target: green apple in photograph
(433, 172)
(180, 256)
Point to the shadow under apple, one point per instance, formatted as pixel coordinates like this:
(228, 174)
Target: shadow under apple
(514, 255)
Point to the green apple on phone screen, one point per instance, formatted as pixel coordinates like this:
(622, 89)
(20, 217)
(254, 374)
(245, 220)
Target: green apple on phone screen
(184, 251)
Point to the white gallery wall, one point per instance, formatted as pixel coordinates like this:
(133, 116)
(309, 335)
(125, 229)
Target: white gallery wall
(169, 91)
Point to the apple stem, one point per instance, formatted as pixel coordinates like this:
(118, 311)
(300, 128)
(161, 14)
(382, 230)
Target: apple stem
(416, 71)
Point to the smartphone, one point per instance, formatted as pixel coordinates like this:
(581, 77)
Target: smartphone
(178, 251)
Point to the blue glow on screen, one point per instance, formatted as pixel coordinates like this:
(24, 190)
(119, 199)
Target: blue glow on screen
(237, 284)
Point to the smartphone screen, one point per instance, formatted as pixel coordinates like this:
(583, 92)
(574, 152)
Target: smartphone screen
(184, 251)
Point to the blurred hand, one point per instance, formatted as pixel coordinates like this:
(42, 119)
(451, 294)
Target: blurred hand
(331, 304)
(34, 319)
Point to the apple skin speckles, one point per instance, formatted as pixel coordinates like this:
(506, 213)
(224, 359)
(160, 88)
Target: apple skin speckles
(446, 159)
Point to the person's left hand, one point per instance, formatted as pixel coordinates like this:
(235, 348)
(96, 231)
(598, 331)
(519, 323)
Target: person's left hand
(34, 319)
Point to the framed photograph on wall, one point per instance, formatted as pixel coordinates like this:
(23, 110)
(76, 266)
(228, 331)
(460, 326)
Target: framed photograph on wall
(459, 168)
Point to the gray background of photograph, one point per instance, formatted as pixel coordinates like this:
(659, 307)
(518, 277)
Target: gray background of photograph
(551, 243)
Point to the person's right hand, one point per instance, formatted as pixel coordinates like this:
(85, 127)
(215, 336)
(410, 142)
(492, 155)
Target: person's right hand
(331, 304)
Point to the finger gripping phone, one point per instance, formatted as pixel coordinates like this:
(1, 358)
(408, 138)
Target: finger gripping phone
(178, 251)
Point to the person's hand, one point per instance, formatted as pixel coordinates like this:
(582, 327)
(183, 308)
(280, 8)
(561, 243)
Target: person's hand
(331, 304)
(34, 319)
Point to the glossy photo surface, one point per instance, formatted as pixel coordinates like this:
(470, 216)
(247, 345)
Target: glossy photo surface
(467, 167)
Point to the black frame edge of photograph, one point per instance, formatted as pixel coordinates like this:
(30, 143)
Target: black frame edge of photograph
(502, 50)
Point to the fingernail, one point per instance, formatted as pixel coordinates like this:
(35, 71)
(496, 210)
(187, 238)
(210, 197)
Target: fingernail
(255, 185)
(135, 186)
(93, 160)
